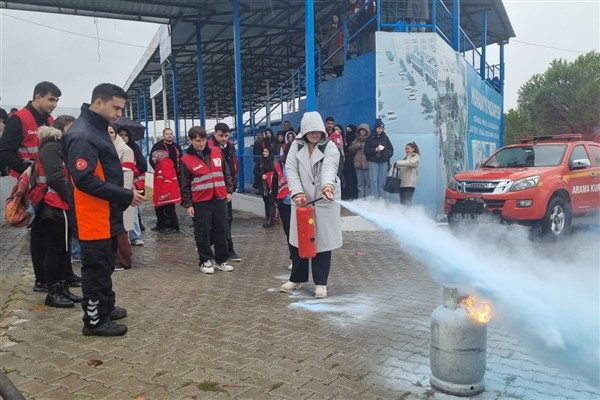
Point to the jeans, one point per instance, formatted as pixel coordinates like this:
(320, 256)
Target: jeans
(363, 183)
(136, 233)
(377, 174)
(75, 248)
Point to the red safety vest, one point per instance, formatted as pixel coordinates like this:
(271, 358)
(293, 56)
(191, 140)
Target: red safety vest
(283, 190)
(51, 198)
(208, 182)
(29, 144)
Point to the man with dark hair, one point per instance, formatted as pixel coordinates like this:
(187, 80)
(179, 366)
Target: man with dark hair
(206, 187)
(221, 140)
(19, 148)
(96, 204)
(163, 222)
(329, 122)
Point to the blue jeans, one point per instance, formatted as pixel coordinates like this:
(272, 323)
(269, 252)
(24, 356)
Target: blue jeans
(136, 233)
(75, 248)
(363, 182)
(377, 174)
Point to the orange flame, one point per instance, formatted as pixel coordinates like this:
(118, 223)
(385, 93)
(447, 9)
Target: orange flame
(479, 310)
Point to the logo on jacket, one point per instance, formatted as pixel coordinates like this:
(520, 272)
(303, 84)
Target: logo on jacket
(80, 164)
(217, 162)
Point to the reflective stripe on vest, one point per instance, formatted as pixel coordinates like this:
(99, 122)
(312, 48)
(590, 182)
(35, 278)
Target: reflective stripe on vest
(283, 190)
(207, 182)
(52, 198)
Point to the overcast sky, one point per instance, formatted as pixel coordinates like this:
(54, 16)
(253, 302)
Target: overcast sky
(65, 50)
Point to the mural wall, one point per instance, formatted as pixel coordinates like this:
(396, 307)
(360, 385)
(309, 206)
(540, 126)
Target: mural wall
(427, 93)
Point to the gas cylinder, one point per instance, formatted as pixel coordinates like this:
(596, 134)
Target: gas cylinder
(458, 349)
(307, 241)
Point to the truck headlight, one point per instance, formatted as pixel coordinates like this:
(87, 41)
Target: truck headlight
(525, 183)
(453, 184)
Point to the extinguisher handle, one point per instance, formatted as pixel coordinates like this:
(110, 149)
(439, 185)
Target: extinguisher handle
(312, 202)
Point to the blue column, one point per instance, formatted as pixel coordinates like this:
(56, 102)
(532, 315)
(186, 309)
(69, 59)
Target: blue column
(202, 111)
(146, 119)
(502, 93)
(456, 25)
(175, 97)
(139, 114)
(434, 15)
(309, 23)
(379, 15)
(239, 120)
(484, 20)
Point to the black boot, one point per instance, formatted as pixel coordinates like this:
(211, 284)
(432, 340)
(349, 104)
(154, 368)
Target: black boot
(67, 293)
(270, 216)
(56, 297)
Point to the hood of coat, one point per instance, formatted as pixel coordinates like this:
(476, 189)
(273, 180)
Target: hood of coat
(48, 132)
(119, 145)
(312, 122)
(363, 135)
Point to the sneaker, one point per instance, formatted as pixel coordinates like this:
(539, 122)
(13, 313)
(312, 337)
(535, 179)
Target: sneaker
(207, 268)
(117, 313)
(40, 287)
(118, 268)
(289, 286)
(223, 266)
(75, 281)
(320, 292)
(137, 242)
(109, 328)
(75, 259)
(290, 266)
(234, 257)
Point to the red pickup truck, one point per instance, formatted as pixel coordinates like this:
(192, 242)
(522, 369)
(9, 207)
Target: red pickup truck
(542, 181)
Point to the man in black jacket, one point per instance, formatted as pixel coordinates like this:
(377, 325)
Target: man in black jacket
(96, 206)
(221, 139)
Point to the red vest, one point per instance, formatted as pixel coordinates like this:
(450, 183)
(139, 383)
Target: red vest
(29, 144)
(283, 190)
(51, 198)
(208, 182)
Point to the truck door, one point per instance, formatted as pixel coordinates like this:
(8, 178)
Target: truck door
(581, 180)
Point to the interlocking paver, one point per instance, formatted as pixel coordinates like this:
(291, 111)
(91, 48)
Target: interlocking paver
(368, 340)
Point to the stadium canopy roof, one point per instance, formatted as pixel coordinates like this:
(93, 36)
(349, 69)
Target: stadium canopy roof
(272, 41)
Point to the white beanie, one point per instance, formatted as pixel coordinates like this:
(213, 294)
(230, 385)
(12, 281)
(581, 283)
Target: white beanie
(311, 122)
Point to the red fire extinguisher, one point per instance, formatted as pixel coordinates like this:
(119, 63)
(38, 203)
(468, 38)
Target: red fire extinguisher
(307, 240)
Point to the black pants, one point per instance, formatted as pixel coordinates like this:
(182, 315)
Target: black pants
(97, 260)
(38, 252)
(56, 253)
(229, 221)
(166, 217)
(285, 211)
(406, 195)
(270, 209)
(210, 219)
(321, 265)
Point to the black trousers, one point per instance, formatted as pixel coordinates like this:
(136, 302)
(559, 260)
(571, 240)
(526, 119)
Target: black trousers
(166, 217)
(285, 211)
(210, 219)
(229, 221)
(38, 253)
(54, 247)
(406, 195)
(321, 265)
(97, 260)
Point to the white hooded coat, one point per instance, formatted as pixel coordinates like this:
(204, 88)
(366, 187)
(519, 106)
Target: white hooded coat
(126, 155)
(308, 174)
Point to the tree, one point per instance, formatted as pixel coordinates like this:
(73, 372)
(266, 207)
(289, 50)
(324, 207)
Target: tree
(426, 104)
(565, 99)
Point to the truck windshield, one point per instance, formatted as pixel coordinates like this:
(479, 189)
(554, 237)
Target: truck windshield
(539, 155)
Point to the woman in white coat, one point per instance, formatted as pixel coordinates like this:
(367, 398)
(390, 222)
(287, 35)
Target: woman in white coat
(312, 174)
(409, 169)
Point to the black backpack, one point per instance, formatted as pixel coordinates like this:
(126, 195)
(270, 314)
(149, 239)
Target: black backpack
(322, 147)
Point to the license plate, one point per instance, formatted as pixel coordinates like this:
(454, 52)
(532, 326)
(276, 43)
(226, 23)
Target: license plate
(466, 216)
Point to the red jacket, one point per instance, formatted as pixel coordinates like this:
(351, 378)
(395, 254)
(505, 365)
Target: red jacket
(166, 185)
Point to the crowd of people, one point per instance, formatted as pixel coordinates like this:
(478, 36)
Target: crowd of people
(92, 176)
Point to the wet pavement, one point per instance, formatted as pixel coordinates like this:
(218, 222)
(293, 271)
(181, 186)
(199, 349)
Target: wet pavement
(234, 335)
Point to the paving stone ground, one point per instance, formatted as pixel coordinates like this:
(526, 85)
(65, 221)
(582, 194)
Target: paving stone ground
(234, 335)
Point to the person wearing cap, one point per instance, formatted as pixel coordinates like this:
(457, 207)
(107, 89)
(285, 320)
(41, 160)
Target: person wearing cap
(312, 165)
(378, 150)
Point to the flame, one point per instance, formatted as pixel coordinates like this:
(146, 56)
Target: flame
(479, 310)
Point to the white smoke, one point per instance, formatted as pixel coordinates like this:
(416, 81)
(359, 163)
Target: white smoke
(550, 299)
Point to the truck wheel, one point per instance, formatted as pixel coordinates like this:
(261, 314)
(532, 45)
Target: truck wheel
(453, 223)
(557, 221)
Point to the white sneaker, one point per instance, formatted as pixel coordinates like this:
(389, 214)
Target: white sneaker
(320, 292)
(290, 266)
(223, 266)
(289, 286)
(137, 242)
(207, 268)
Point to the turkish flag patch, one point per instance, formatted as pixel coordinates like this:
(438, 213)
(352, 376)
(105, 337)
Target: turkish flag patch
(80, 164)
